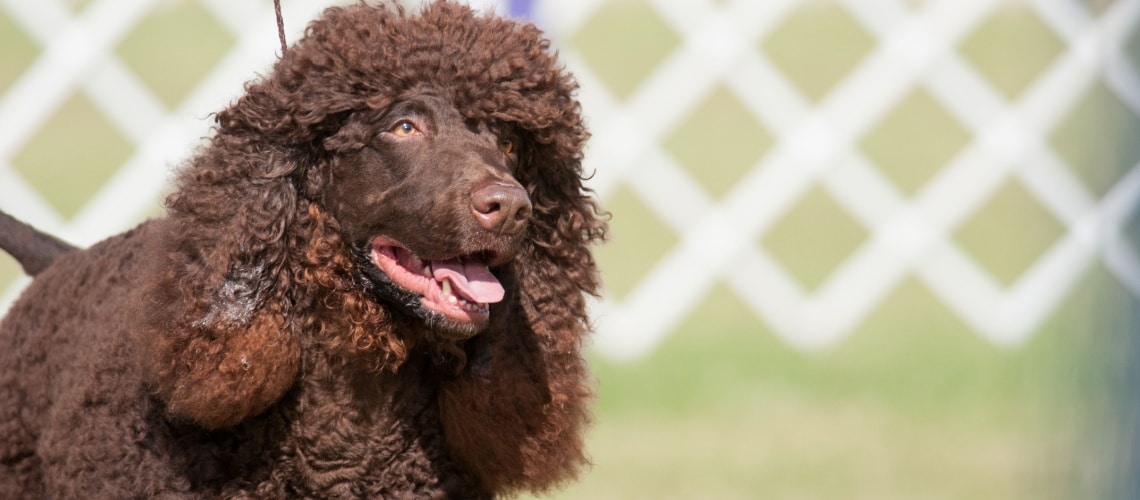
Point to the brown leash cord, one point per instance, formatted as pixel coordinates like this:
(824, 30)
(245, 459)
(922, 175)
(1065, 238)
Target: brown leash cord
(280, 24)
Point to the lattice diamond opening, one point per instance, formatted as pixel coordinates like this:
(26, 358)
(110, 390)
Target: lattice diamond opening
(1099, 138)
(719, 142)
(814, 238)
(914, 141)
(1012, 48)
(67, 177)
(9, 271)
(18, 53)
(719, 316)
(1009, 233)
(182, 31)
(816, 46)
(911, 318)
(624, 70)
(637, 240)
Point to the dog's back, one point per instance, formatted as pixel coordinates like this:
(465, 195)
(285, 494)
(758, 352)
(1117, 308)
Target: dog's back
(58, 349)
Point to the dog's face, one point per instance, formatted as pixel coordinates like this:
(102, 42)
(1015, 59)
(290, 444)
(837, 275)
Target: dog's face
(431, 207)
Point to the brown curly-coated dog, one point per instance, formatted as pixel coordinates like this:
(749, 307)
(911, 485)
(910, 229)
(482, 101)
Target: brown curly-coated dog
(370, 283)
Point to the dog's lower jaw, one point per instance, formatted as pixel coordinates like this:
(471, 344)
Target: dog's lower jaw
(449, 329)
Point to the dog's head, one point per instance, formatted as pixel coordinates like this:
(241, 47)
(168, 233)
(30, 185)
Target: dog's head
(440, 144)
(428, 202)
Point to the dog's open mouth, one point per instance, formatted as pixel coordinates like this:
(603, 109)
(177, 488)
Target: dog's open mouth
(460, 289)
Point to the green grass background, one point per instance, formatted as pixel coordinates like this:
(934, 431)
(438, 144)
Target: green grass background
(913, 404)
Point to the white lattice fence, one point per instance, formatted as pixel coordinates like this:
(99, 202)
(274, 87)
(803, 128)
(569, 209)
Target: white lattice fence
(814, 143)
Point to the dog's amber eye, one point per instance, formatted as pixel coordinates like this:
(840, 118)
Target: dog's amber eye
(404, 128)
(507, 145)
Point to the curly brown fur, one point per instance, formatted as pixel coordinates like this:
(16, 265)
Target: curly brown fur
(264, 341)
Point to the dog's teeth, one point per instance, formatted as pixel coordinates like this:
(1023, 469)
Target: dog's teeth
(427, 270)
(447, 292)
(471, 307)
(460, 302)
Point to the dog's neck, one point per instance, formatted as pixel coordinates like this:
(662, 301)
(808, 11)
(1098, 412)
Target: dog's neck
(362, 383)
(355, 427)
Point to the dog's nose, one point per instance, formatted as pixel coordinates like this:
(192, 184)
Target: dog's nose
(502, 208)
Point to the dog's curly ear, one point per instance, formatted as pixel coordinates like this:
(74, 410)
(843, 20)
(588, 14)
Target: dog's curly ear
(515, 416)
(219, 345)
(218, 377)
(215, 298)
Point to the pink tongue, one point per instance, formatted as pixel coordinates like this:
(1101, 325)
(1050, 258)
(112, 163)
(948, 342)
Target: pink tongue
(472, 279)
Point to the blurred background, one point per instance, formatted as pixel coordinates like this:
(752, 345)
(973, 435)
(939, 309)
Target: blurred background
(860, 248)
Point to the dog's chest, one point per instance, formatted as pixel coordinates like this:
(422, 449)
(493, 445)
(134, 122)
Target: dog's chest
(365, 436)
